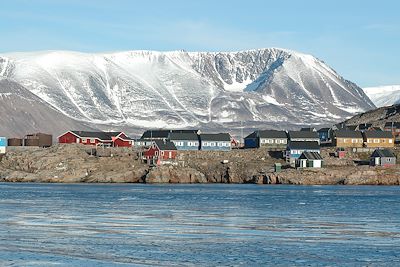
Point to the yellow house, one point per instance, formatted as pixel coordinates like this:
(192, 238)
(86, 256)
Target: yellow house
(378, 139)
(347, 138)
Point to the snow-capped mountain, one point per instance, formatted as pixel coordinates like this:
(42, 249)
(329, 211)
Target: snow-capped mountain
(273, 87)
(383, 96)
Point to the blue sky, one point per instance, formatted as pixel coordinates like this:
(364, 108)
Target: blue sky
(359, 39)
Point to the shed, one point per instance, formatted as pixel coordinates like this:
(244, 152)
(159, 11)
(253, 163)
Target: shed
(38, 139)
(15, 142)
(382, 157)
(309, 160)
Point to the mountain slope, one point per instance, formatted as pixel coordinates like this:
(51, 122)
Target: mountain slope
(22, 112)
(188, 89)
(384, 95)
(377, 117)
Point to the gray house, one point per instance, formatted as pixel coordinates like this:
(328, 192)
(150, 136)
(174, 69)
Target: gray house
(185, 141)
(303, 136)
(382, 157)
(215, 142)
(273, 139)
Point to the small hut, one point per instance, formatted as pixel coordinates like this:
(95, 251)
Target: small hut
(382, 157)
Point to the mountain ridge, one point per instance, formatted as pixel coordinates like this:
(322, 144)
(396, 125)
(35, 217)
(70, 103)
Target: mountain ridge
(180, 89)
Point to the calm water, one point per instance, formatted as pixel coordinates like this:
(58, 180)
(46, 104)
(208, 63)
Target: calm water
(106, 225)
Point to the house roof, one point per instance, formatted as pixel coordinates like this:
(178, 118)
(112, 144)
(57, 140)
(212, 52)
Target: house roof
(303, 145)
(364, 126)
(385, 153)
(215, 137)
(165, 145)
(163, 133)
(272, 134)
(184, 136)
(303, 134)
(307, 129)
(348, 134)
(310, 155)
(324, 130)
(395, 124)
(99, 135)
(378, 134)
(252, 135)
(376, 128)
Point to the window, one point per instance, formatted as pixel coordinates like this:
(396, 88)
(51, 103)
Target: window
(369, 140)
(376, 141)
(162, 153)
(84, 140)
(156, 153)
(170, 155)
(205, 144)
(344, 140)
(354, 140)
(212, 143)
(92, 140)
(270, 141)
(390, 141)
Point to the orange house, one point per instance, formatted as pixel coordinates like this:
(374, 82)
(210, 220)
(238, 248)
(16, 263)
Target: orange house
(378, 139)
(347, 138)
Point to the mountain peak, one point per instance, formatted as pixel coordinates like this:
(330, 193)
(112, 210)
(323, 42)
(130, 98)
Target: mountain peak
(269, 86)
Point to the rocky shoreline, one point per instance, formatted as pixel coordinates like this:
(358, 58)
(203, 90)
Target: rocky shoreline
(75, 164)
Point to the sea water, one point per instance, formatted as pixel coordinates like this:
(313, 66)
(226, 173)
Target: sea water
(198, 225)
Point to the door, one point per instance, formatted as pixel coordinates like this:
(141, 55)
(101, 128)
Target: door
(377, 161)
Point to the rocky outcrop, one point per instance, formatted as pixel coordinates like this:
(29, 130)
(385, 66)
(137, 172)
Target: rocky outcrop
(76, 163)
(170, 174)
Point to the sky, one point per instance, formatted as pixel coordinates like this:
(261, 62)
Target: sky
(359, 39)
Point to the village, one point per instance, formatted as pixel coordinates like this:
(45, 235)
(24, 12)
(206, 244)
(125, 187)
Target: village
(307, 148)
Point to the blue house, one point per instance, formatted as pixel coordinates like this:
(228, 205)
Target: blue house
(215, 142)
(185, 141)
(251, 141)
(296, 148)
(3, 145)
(325, 134)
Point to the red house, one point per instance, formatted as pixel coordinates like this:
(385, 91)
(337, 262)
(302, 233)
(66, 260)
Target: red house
(160, 151)
(115, 139)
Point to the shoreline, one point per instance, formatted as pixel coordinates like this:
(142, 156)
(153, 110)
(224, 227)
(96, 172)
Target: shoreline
(71, 164)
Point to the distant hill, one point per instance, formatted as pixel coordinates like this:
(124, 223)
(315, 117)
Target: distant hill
(378, 117)
(384, 95)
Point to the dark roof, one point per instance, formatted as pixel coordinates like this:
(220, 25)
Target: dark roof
(99, 135)
(310, 155)
(348, 134)
(163, 133)
(155, 134)
(364, 126)
(378, 134)
(252, 135)
(351, 127)
(307, 129)
(396, 125)
(165, 145)
(303, 134)
(376, 128)
(272, 134)
(324, 130)
(303, 145)
(215, 137)
(386, 153)
(183, 136)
